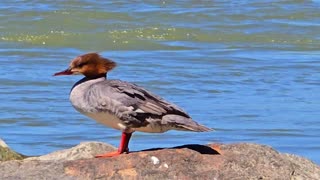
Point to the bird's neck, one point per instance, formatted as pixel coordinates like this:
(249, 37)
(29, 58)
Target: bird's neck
(96, 76)
(90, 80)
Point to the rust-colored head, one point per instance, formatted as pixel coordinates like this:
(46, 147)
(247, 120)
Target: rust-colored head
(90, 65)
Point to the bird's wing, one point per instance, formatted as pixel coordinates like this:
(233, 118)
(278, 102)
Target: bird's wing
(146, 101)
(131, 103)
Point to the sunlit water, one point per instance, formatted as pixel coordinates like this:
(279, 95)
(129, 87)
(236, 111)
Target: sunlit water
(249, 69)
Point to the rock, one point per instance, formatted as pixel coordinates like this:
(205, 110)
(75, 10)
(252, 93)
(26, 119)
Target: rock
(7, 154)
(84, 150)
(236, 161)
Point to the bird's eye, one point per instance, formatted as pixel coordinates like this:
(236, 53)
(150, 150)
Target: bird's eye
(82, 64)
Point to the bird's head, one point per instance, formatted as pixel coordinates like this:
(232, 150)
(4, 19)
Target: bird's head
(90, 65)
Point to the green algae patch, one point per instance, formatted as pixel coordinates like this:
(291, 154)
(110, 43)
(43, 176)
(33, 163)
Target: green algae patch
(6, 154)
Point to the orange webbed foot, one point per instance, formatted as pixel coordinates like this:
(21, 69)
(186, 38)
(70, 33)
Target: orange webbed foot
(109, 154)
(123, 147)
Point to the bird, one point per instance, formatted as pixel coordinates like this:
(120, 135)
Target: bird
(122, 105)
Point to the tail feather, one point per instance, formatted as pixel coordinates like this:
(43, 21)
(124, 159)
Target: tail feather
(184, 124)
(197, 128)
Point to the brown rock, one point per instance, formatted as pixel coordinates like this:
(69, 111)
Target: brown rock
(84, 150)
(236, 161)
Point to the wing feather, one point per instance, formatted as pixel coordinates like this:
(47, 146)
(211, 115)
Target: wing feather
(139, 99)
(137, 107)
(145, 100)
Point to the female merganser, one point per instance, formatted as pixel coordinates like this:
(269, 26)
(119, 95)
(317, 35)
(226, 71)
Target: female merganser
(122, 105)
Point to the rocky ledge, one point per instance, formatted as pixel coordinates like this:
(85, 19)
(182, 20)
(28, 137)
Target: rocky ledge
(225, 161)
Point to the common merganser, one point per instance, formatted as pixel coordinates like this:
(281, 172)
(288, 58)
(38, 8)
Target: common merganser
(122, 105)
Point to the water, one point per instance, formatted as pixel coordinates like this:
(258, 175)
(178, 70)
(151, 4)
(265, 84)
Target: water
(249, 69)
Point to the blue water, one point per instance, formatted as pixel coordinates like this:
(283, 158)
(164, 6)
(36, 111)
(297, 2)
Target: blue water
(248, 69)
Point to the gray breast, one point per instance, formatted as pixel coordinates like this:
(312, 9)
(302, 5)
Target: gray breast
(79, 94)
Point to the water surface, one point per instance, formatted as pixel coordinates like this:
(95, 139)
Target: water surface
(249, 69)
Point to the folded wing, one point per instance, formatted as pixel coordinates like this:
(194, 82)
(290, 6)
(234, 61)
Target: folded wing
(137, 107)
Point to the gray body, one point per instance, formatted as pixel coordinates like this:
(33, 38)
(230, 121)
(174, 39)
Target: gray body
(128, 107)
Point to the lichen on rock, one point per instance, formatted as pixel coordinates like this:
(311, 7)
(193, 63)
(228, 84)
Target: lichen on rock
(7, 154)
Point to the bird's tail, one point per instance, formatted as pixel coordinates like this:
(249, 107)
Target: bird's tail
(196, 128)
(185, 124)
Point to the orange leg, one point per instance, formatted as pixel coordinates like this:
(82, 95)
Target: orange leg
(123, 147)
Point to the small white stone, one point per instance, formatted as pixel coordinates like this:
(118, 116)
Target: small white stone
(165, 165)
(155, 160)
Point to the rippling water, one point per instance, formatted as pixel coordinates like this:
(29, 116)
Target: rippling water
(249, 69)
